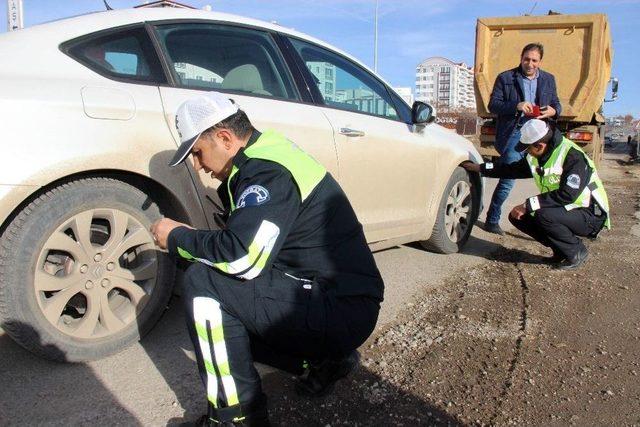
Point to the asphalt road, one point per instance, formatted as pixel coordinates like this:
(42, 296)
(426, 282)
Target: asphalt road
(155, 382)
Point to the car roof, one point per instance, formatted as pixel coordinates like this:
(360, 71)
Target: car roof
(61, 30)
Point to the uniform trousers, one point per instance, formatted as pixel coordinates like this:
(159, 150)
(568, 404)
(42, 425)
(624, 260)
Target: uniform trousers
(276, 319)
(558, 228)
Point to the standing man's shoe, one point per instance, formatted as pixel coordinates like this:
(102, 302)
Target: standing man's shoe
(319, 378)
(575, 261)
(490, 227)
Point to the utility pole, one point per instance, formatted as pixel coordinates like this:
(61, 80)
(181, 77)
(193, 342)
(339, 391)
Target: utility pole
(14, 15)
(375, 41)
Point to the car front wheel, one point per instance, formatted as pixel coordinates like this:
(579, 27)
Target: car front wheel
(80, 277)
(456, 215)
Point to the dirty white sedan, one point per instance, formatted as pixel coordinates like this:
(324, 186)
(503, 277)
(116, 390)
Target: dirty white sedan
(87, 107)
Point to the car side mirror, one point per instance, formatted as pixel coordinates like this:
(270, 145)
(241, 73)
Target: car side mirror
(422, 113)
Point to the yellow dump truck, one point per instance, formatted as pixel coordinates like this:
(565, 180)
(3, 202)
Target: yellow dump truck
(577, 51)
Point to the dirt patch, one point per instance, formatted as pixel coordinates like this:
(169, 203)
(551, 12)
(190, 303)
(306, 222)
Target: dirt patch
(509, 342)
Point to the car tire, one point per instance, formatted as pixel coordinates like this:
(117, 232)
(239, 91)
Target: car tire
(80, 276)
(456, 215)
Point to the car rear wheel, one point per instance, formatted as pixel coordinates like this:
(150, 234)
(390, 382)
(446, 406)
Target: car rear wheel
(80, 277)
(456, 215)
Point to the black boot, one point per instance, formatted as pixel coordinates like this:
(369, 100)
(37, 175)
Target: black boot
(251, 420)
(253, 414)
(320, 378)
(575, 261)
(556, 258)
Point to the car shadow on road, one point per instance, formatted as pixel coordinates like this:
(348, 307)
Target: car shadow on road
(35, 391)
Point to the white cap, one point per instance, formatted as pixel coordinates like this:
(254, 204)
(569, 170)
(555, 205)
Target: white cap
(197, 114)
(533, 131)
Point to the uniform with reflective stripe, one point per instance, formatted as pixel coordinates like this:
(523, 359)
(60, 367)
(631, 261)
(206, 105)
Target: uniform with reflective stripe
(549, 179)
(306, 173)
(272, 146)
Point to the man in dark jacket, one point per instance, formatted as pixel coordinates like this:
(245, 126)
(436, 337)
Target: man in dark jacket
(289, 281)
(518, 95)
(572, 200)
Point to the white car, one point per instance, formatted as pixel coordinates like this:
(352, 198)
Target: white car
(87, 107)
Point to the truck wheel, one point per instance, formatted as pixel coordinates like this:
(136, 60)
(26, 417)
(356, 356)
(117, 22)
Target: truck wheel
(456, 215)
(80, 277)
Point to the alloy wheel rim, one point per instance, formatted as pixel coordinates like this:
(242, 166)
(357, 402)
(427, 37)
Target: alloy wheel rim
(95, 273)
(458, 210)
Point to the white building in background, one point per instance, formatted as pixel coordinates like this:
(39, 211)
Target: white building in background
(193, 72)
(326, 75)
(405, 93)
(444, 83)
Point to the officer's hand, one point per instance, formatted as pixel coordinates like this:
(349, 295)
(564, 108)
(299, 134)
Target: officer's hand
(519, 211)
(470, 166)
(525, 107)
(547, 112)
(161, 229)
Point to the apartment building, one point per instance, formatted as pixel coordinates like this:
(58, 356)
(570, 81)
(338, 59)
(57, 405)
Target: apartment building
(444, 83)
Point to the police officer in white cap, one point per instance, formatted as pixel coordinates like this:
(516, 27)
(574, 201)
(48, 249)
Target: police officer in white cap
(288, 281)
(572, 200)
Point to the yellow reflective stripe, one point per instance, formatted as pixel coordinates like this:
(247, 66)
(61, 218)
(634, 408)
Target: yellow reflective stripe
(186, 255)
(305, 170)
(233, 400)
(208, 310)
(217, 334)
(234, 170)
(222, 266)
(256, 258)
(250, 265)
(230, 390)
(209, 367)
(201, 331)
(213, 400)
(224, 369)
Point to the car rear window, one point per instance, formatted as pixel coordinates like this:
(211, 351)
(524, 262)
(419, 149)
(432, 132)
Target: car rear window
(126, 54)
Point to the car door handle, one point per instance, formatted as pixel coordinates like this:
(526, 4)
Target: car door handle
(351, 132)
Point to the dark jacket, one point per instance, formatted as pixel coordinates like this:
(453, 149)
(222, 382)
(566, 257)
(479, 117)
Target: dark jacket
(508, 91)
(318, 239)
(575, 165)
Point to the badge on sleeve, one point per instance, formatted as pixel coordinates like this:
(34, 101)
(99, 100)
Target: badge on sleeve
(253, 195)
(573, 181)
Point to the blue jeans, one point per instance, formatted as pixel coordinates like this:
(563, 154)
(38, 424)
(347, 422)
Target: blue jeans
(500, 194)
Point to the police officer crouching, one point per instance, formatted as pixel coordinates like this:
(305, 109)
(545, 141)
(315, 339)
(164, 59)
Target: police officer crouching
(572, 200)
(289, 281)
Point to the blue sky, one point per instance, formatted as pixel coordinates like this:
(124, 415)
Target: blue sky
(408, 30)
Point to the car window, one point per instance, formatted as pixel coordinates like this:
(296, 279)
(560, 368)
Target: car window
(404, 111)
(126, 54)
(211, 56)
(344, 84)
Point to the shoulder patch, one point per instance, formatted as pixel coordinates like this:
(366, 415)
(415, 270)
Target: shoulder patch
(573, 181)
(253, 195)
